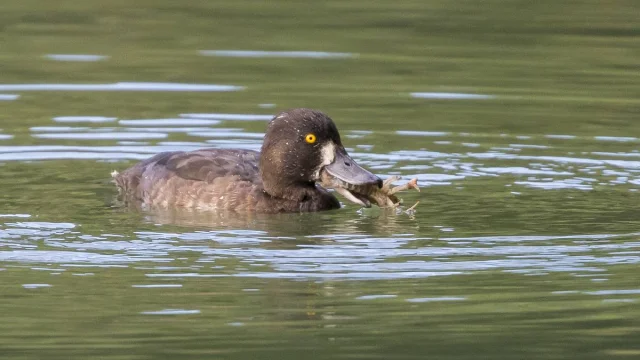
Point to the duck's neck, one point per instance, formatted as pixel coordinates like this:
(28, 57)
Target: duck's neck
(290, 191)
(303, 197)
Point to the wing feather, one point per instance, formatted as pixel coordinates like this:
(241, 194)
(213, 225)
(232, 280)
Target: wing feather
(210, 164)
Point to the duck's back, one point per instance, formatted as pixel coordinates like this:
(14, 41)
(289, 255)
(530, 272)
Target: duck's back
(203, 179)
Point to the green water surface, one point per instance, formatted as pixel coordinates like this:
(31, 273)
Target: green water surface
(525, 244)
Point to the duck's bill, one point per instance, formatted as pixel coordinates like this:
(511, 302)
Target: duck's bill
(346, 177)
(346, 170)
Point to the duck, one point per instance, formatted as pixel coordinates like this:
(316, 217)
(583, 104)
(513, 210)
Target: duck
(300, 147)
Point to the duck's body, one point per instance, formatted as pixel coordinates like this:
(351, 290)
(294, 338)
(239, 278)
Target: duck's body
(212, 179)
(298, 145)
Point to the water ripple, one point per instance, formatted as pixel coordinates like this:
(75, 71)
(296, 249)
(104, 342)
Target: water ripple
(451, 96)
(171, 312)
(235, 117)
(113, 135)
(76, 57)
(121, 86)
(81, 119)
(9, 97)
(277, 54)
(169, 122)
(344, 257)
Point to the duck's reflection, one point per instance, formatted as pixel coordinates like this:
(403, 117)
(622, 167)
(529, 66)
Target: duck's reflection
(346, 221)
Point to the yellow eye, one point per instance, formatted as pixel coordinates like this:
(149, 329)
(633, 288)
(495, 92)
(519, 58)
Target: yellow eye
(310, 138)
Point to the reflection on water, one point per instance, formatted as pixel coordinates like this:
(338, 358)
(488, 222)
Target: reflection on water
(237, 117)
(443, 298)
(451, 96)
(35, 286)
(9, 97)
(421, 133)
(113, 135)
(171, 312)
(169, 122)
(120, 86)
(81, 119)
(277, 54)
(217, 134)
(76, 57)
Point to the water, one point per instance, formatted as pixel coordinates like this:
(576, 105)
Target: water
(519, 120)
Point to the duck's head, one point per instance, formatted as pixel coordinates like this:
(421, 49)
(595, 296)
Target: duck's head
(299, 145)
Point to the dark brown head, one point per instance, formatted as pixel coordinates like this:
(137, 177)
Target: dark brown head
(298, 145)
